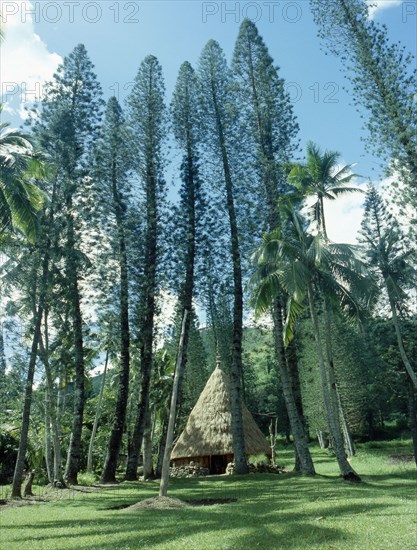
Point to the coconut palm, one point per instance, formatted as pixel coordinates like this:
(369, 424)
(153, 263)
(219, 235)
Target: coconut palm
(308, 267)
(20, 198)
(322, 178)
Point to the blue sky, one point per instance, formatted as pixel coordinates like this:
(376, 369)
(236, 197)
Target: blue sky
(118, 35)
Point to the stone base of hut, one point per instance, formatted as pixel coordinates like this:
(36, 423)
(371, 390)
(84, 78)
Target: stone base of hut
(216, 464)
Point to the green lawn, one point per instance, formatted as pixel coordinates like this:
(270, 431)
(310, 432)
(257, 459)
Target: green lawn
(272, 512)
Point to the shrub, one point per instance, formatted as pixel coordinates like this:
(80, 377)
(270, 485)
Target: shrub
(256, 460)
(9, 443)
(87, 478)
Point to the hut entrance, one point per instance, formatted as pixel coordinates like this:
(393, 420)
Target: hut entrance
(218, 464)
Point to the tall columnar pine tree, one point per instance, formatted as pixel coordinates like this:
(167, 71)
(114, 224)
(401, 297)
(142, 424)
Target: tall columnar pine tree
(393, 262)
(67, 128)
(185, 113)
(184, 242)
(270, 125)
(147, 120)
(216, 279)
(112, 167)
(267, 115)
(218, 121)
(383, 78)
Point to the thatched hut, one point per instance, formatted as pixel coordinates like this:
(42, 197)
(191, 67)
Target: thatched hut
(207, 437)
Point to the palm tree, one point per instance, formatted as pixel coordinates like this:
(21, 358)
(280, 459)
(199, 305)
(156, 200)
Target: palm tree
(321, 177)
(20, 199)
(307, 267)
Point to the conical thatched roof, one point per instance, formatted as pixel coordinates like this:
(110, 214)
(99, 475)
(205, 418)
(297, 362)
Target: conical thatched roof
(209, 428)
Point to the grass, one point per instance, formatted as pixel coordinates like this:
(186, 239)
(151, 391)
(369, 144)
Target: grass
(273, 511)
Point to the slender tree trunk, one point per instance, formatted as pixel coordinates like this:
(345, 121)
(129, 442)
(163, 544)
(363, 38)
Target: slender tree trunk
(60, 407)
(2, 354)
(147, 325)
(20, 460)
(291, 385)
(97, 415)
(291, 357)
(297, 428)
(334, 392)
(347, 434)
(212, 309)
(347, 472)
(132, 409)
(188, 288)
(148, 472)
(28, 485)
(163, 488)
(2, 366)
(74, 449)
(323, 219)
(273, 432)
(412, 375)
(143, 404)
(52, 410)
(412, 416)
(48, 447)
(110, 464)
(239, 451)
(320, 438)
(161, 448)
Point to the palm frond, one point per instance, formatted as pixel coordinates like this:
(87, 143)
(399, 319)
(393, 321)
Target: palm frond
(342, 190)
(294, 311)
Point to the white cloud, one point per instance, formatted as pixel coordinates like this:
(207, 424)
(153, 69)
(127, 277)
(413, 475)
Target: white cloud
(344, 216)
(376, 6)
(26, 62)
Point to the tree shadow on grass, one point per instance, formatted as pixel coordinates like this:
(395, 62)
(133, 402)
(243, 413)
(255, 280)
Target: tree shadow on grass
(133, 531)
(282, 491)
(241, 524)
(286, 511)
